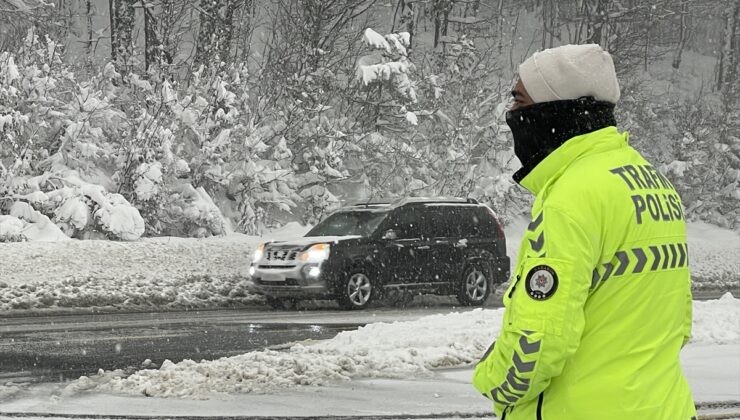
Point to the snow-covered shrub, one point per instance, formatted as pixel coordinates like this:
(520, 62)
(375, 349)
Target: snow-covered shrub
(388, 64)
(242, 166)
(192, 212)
(75, 208)
(11, 229)
(37, 225)
(55, 148)
(198, 137)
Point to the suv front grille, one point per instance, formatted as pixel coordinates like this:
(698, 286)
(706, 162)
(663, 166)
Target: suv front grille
(276, 267)
(275, 255)
(286, 282)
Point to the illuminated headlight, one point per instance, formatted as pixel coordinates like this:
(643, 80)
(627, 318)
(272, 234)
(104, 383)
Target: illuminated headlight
(317, 253)
(258, 253)
(311, 271)
(252, 270)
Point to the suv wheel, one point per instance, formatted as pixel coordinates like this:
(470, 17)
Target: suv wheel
(280, 304)
(474, 287)
(356, 292)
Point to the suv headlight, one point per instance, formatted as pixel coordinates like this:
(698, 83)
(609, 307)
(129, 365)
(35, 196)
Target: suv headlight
(258, 253)
(316, 253)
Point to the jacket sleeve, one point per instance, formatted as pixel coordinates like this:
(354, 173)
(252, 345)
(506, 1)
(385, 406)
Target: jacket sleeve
(687, 323)
(543, 320)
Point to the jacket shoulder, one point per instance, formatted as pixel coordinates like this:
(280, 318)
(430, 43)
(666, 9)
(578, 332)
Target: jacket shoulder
(593, 177)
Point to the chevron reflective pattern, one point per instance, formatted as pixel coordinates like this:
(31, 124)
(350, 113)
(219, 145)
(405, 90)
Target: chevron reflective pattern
(534, 224)
(538, 243)
(515, 385)
(645, 259)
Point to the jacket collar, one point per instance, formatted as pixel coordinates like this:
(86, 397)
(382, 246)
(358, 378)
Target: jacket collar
(555, 163)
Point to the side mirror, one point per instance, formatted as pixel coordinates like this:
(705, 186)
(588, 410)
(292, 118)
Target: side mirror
(390, 235)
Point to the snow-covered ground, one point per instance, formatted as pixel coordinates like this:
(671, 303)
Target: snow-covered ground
(447, 391)
(388, 350)
(411, 367)
(714, 256)
(207, 273)
(154, 272)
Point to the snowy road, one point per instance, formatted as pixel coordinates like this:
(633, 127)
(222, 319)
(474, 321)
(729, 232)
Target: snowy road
(415, 369)
(65, 347)
(54, 348)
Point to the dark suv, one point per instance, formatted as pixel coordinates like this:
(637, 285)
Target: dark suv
(441, 246)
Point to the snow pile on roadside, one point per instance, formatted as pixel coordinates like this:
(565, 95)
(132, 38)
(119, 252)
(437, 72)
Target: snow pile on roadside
(129, 292)
(716, 321)
(714, 256)
(397, 350)
(390, 350)
(163, 272)
(10, 389)
(159, 271)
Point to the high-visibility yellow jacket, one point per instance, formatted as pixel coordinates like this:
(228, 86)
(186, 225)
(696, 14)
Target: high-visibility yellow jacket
(599, 306)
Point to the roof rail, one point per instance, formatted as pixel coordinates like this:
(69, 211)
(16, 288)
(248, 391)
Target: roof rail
(369, 204)
(414, 200)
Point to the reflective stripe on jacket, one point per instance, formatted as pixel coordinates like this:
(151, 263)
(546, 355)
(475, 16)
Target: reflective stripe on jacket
(599, 305)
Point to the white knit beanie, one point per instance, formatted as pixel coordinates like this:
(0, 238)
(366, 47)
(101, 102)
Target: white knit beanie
(570, 72)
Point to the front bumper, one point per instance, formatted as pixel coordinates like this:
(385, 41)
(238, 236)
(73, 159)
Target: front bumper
(293, 280)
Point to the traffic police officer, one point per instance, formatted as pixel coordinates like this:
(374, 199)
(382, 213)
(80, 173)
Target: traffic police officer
(599, 305)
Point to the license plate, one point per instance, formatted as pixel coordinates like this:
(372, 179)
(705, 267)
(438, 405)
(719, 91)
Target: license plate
(272, 277)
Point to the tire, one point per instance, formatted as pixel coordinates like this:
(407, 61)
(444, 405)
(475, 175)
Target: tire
(475, 286)
(281, 304)
(357, 291)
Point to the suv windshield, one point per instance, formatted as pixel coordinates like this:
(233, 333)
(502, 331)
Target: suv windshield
(361, 223)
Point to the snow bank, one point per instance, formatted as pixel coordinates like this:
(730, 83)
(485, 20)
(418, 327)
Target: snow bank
(714, 256)
(162, 272)
(390, 350)
(10, 389)
(717, 321)
(129, 293)
(396, 350)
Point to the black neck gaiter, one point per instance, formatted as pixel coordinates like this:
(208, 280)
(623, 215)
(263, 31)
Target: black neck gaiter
(541, 128)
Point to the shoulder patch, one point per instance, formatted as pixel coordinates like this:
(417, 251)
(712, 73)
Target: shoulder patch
(542, 282)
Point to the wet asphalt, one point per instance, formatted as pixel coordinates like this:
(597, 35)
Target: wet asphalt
(64, 347)
(52, 348)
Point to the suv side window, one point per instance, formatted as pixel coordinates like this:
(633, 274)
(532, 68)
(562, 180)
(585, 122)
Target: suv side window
(473, 222)
(478, 223)
(486, 223)
(408, 224)
(443, 222)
